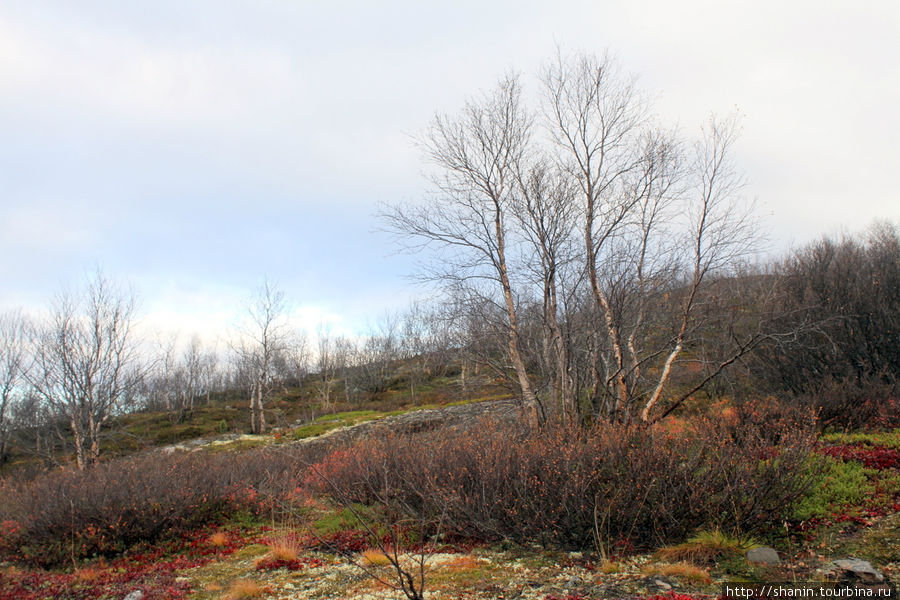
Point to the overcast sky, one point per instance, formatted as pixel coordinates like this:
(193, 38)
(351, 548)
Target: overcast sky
(192, 147)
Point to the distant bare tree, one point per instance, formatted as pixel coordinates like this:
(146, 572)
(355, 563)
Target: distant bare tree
(328, 364)
(264, 339)
(86, 366)
(14, 365)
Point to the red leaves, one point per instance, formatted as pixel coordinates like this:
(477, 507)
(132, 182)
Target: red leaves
(153, 571)
(875, 457)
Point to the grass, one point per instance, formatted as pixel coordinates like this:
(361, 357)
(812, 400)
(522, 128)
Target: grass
(374, 558)
(706, 547)
(881, 544)
(609, 567)
(683, 571)
(245, 589)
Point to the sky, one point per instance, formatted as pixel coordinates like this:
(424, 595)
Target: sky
(193, 147)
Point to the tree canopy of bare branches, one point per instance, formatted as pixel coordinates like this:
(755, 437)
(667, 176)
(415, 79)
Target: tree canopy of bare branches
(86, 364)
(610, 226)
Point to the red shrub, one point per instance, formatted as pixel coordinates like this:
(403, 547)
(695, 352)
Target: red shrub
(872, 457)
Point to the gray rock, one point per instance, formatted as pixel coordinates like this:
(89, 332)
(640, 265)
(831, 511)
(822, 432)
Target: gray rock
(854, 569)
(763, 556)
(658, 584)
(135, 595)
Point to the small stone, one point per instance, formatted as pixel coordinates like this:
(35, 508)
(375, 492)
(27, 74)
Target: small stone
(763, 556)
(662, 584)
(854, 569)
(135, 595)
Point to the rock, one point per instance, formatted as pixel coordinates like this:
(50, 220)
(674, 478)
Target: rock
(655, 583)
(135, 595)
(573, 583)
(763, 556)
(854, 569)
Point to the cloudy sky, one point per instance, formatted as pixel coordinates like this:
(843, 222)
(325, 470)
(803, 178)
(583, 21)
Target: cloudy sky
(192, 147)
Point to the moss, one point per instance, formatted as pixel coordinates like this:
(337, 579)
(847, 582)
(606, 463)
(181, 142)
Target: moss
(313, 430)
(251, 551)
(344, 519)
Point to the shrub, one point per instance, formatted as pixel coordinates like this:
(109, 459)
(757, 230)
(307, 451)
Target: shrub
(851, 404)
(578, 487)
(66, 514)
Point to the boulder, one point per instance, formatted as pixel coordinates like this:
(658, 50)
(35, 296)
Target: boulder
(763, 556)
(855, 569)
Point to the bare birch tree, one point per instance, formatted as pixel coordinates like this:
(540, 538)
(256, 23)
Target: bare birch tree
(596, 243)
(479, 154)
(14, 364)
(86, 365)
(264, 339)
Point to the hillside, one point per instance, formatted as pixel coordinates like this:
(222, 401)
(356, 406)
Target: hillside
(296, 410)
(323, 543)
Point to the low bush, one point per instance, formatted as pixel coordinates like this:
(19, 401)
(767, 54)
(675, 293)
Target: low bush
(853, 404)
(66, 515)
(579, 487)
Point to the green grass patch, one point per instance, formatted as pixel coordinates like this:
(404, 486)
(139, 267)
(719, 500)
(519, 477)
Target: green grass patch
(841, 486)
(889, 439)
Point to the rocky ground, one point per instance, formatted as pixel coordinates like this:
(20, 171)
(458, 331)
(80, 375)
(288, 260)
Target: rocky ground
(493, 574)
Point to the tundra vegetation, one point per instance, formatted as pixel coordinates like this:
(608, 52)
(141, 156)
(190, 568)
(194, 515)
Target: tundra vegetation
(612, 389)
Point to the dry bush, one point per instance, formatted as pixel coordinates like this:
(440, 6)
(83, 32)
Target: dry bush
(64, 515)
(581, 488)
(871, 402)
